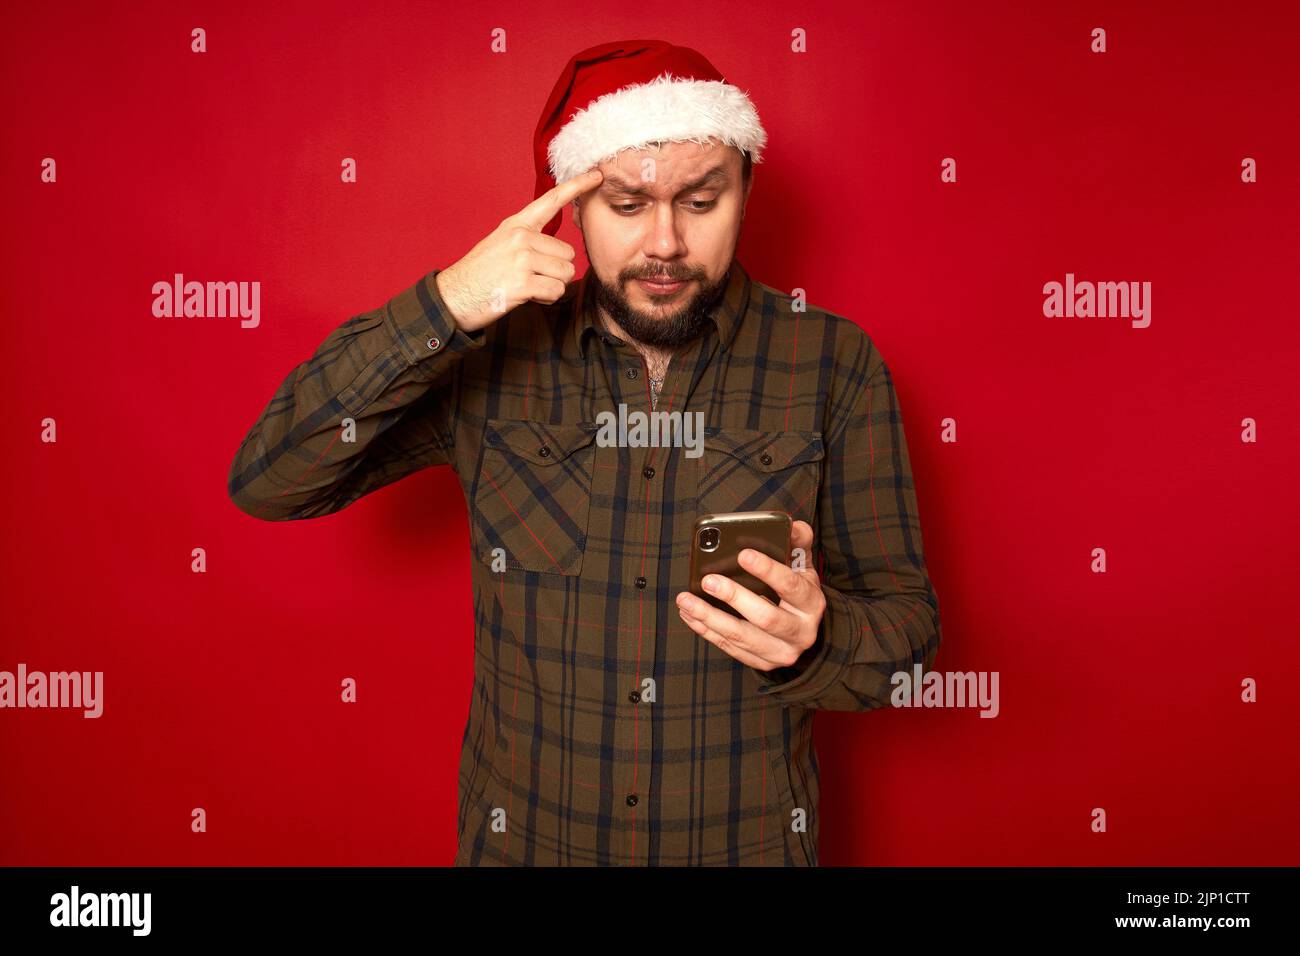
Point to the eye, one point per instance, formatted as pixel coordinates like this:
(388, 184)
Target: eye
(694, 205)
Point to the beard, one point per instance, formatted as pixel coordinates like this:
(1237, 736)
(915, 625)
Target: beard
(661, 329)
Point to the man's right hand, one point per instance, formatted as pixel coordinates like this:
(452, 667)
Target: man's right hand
(516, 262)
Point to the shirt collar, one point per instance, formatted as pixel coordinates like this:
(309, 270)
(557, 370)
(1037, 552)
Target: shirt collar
(727, 311)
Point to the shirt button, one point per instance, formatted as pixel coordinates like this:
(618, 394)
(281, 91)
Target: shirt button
(766, 458)
(434, 344)
(631, 799)
(544, 451)
(634, 697)
(649, 472)
(640, 582)
(631, 373)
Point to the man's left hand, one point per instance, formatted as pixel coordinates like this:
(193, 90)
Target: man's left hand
(768, 635)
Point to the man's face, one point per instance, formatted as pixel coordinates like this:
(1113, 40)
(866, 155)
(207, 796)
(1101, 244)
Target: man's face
(670, 213)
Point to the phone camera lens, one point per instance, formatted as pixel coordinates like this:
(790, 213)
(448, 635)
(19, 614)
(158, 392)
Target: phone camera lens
(710, 538)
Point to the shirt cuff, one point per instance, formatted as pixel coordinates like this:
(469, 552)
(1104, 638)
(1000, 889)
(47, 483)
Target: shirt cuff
(423, 326)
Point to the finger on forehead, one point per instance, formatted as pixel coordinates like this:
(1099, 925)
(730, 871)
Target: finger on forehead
(550, 246)
(541, 210)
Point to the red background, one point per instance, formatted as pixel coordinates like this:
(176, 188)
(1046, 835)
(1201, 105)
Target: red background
(1119, 690)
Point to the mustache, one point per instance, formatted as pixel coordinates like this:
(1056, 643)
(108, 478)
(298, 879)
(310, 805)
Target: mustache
(664, 275)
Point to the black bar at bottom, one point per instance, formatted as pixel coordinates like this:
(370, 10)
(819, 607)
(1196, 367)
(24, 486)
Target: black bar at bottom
(658, 907)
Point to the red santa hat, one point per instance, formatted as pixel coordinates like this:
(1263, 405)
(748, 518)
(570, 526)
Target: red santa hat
(629, 94)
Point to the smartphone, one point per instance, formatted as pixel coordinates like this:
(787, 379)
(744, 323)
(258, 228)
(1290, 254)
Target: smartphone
(718, 541)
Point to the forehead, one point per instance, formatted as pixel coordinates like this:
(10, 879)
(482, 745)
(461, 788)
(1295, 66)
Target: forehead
(672, 165)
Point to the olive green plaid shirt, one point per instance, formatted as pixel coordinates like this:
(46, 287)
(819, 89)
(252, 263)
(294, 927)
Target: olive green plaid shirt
(602, 730)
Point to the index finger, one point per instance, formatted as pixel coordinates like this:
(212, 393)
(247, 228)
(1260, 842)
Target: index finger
(542, 209)
(783, 579)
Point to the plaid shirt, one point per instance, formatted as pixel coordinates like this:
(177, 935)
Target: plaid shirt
(602, 730)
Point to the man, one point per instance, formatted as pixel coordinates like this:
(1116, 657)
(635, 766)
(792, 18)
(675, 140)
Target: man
(614, 718)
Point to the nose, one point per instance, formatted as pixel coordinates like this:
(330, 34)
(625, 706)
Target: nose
(663, 239)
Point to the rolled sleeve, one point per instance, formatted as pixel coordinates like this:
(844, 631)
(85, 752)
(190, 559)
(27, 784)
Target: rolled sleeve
(423, 326)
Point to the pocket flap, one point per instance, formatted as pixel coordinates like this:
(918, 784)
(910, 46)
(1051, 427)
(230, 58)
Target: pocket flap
(539, 443)
(763, 450)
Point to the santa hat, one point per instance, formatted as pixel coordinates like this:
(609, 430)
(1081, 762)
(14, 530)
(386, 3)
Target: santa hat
(629, 94)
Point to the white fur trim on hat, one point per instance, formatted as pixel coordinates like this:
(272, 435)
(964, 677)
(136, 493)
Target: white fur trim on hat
(667, 109)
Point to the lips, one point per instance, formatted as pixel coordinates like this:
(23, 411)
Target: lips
(661, 287)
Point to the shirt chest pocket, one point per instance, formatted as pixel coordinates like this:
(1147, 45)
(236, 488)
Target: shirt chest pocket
(533, 496)
(751, 470)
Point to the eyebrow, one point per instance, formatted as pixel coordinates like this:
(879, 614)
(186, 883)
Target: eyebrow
(629, 187)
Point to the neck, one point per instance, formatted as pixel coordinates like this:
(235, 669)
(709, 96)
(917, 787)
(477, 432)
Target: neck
(656, 359)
